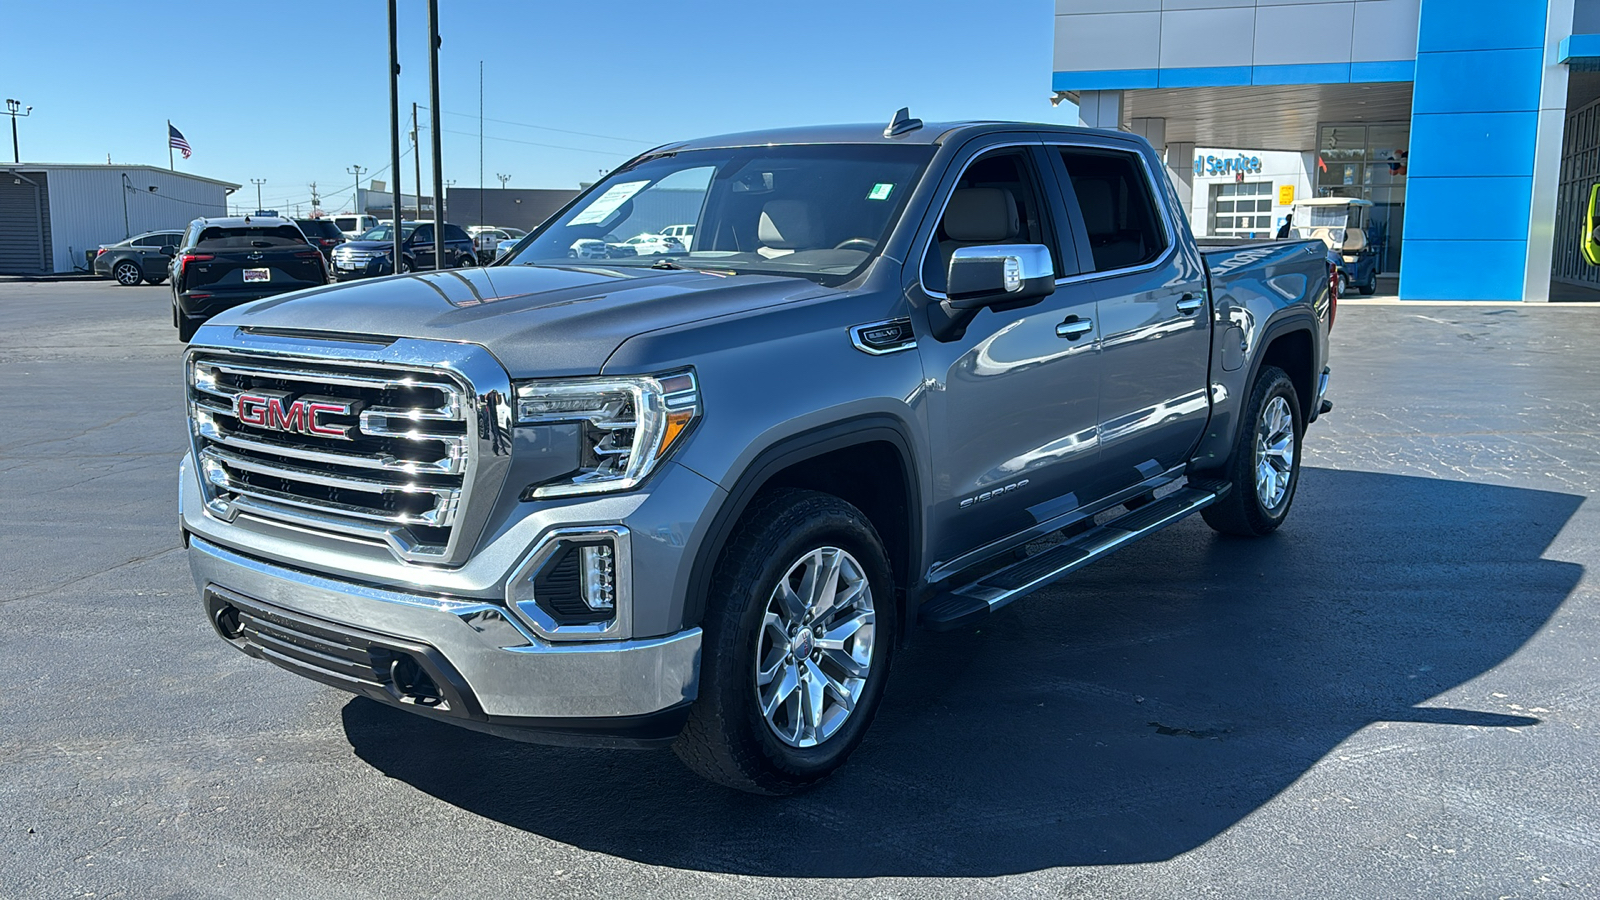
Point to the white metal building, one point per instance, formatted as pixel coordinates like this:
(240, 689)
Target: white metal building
(51, 213)
(1245, 194)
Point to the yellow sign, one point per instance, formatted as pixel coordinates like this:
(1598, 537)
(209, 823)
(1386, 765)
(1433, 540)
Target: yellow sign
(1286, 195)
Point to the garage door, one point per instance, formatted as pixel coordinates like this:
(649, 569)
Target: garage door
(23, 245)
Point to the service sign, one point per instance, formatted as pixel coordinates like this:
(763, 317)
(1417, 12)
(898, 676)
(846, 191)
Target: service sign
(1232, 165)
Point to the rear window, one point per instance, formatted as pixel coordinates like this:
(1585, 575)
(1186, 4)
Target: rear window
(318, 228)
(1119, 211)
(271, 236)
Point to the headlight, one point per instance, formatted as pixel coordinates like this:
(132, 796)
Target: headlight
(629, 424)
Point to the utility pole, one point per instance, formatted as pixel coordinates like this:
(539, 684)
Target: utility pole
(434, 126)
(258, 182)
(441, 204)
(480, 143)
(416, 156)
(355, 199)
(394, 134)
(14, 109)
(315, 202)
(503, 180)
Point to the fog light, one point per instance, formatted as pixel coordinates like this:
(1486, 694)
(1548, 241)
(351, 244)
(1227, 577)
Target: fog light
(599, 576)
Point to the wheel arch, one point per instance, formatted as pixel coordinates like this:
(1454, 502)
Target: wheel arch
(1291, 346)
(816, 460)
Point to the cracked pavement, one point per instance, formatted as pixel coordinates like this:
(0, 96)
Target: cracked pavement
(1397, 695)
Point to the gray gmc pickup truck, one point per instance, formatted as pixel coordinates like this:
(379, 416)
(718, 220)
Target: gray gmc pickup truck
(905, 376)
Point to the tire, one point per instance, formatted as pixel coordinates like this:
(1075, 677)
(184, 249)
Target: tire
(1272, 428)
(127, 273)
(728, 738)
(1371, 287)
(186, 328)
(155, 280)
(405, 266)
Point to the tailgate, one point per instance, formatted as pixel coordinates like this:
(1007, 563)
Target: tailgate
(261, 269)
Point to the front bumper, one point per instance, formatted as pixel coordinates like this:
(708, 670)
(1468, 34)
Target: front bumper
(490, 672)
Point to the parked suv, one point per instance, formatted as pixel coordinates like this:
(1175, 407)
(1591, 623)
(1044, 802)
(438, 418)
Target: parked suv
(354, 226)
(322, 234)
(224, 262)
(701, 498)
(370, 256)
(143, 257)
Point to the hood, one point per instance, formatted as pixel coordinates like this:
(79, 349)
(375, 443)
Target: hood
(369, 245)
(538, 321)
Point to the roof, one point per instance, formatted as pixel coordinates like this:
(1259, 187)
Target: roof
(119, 167)
(245, 221)
(1333, 201)
(929, 133)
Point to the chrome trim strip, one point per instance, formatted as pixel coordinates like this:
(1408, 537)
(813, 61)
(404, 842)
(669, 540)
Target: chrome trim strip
(312, 476)
(449, 465)
(297, 374)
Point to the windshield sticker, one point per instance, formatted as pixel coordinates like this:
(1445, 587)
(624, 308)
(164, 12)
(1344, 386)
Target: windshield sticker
(880, 191)
(608, 202)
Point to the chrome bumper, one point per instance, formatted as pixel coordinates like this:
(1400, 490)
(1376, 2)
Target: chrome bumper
(509, 678)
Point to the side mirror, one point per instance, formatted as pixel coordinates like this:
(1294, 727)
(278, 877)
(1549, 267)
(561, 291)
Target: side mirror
(1591, 242)
(168, 250)
(999, 274)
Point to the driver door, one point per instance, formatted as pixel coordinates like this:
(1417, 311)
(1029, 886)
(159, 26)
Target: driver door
(1012, 404)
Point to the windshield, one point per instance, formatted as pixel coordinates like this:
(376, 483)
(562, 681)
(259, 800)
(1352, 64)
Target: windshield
(819, 211)
(1321, 216)
(386, 232)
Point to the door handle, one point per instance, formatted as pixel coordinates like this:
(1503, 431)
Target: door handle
(1074, 328)
(1189, 305)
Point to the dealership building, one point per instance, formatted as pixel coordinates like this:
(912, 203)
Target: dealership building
(1473, 126)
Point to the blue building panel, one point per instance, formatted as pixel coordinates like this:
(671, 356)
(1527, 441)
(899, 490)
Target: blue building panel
(1462, 270)
(1108, 80)
(1393, 70)
(1481, 25)
(1207, 76)
(1468, 209)
(1461, 145)
(1478, 81)
(1312, 73)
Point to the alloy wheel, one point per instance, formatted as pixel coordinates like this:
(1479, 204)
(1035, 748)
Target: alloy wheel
(815, 648)
(1274, 452)
(127, 274)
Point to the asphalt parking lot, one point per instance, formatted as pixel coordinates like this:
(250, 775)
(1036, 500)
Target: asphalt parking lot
(1397, 695)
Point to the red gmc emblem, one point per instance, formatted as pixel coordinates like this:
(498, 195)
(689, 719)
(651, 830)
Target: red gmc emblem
(299, 416)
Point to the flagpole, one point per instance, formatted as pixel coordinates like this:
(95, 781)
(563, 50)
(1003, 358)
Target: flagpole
(171, 166)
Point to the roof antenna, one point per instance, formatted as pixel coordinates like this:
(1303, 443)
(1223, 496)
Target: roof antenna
(902, 123)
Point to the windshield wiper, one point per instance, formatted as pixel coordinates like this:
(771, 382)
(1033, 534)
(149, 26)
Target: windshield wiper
(664, 263)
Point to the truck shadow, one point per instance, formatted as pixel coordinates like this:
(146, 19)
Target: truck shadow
(1129, 714)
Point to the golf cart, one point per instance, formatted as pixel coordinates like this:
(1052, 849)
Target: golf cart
(1341, 223)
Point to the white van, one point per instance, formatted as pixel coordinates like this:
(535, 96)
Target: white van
(684, 233)
(355, 226)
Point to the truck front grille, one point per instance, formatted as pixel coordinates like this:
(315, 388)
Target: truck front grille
(378, 452)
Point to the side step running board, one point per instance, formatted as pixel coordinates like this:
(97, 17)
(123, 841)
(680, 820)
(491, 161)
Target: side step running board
(973, 601)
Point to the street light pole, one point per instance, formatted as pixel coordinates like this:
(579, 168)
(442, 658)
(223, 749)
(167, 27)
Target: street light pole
(394, 135)
(503, 180)
(12, 109)
(355, 199)
(416, 158)
(434, 126)
(258, 182)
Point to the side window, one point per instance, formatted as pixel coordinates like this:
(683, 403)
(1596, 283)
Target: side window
(996, 201)
(454, 233)
(169, 240)
(1118, 207)
(424, 234)
(150, 240)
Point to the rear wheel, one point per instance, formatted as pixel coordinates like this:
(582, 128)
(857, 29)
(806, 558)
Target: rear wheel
(154, 279)
(127, 273)
(798, 636)
(1265, 466)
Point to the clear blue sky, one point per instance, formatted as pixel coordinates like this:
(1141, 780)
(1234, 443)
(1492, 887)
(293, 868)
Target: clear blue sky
(298, 92)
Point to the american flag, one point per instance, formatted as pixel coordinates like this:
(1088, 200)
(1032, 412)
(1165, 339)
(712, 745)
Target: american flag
(175, 140)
